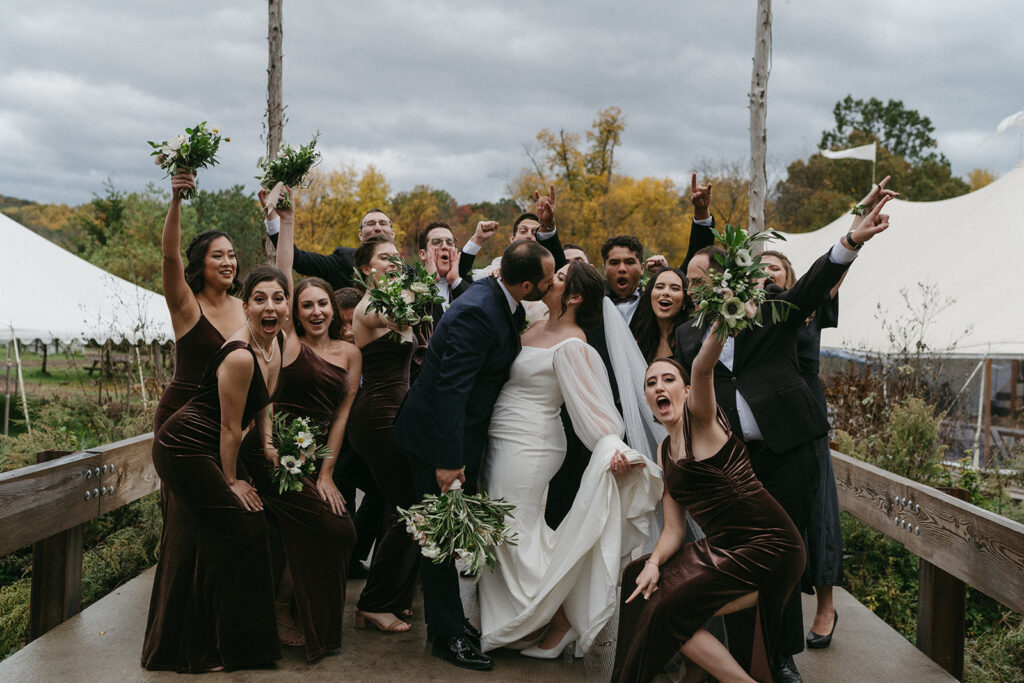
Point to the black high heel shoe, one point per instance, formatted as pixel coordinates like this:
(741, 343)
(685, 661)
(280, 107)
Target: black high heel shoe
(816, 642)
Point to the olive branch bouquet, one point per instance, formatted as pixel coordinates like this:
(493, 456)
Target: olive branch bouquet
(291, 168)
(733, 296)
(458, 526)
(297, 449)
(196, 149)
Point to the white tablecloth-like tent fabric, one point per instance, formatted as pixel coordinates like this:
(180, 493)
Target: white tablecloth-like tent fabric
(958, 262)
(49, 294)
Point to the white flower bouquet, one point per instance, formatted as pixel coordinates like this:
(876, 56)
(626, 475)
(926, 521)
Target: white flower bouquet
(405, 296)
(461, 527)
(291, 168)
(196, 149)
(297, 450)
(733, 295)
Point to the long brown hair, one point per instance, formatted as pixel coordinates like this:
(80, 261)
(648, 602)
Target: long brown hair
(334, 329)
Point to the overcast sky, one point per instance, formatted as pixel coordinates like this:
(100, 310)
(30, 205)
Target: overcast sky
(446, 93)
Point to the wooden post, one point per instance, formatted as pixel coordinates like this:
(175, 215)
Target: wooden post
(7, 391)
(1014, 396)
(275, 95)
(758, 111)
(56, 574)
(942, 611)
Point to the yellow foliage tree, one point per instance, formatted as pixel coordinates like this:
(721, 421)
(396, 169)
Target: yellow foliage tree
(979, 178)
(594, 203)
(327, 213)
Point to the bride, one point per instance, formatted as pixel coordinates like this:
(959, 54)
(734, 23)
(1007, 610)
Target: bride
(563, 579)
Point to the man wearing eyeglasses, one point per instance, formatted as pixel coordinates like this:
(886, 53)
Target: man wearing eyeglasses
(338, 266)
(438, 252)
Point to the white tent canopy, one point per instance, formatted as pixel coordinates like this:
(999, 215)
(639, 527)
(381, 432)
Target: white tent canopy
(958, 263)
(50, 294)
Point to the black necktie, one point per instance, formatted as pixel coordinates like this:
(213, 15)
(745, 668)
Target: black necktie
(519, 318)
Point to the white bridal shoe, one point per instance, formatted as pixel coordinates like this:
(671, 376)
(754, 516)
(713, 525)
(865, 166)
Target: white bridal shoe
(538, 652)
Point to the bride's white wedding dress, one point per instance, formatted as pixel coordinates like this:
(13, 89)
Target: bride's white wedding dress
(577, 565)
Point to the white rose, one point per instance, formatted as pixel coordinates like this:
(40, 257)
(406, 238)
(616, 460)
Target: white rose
(408, 297)
(176, 142)
(430, 551)
(743, 258)
(420, 287)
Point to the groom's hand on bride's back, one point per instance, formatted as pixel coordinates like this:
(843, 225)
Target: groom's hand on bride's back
(445, 478)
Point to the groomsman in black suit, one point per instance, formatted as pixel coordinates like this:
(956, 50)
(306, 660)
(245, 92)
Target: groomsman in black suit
(437, 250)
(444, 420)
(758, 385)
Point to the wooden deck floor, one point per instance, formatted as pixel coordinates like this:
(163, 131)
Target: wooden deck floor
(103, 644)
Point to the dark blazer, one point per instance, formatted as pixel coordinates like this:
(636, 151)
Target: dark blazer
(336, 268)
(552, 244)
(766, 370)
(446, 413)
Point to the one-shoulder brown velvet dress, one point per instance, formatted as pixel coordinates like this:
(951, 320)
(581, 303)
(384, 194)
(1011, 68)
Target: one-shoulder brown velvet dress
(224, 615)
(392, 580)
(751, 545)
(317, 543)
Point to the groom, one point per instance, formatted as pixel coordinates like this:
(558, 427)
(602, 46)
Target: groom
(444, 419)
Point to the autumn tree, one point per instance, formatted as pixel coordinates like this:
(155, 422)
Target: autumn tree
(327, 213)
(594, 202)
(818, 190)
(979, 178)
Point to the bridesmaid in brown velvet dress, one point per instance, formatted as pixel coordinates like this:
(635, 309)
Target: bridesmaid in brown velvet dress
(751, 544)
(224, 616)
(314, 524)
(203, 314)
(391, 583)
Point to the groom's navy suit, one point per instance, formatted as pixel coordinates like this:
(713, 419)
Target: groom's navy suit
(444, 419)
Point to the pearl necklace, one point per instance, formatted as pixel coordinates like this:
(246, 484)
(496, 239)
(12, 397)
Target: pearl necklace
(252, 335)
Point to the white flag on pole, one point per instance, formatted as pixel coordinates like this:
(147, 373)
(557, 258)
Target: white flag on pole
(1011, 120)
(865, 152)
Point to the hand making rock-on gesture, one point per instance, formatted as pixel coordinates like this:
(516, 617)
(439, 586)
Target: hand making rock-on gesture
(545, 209)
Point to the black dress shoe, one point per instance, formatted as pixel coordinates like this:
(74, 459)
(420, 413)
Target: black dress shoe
(472, 631)
(460, 651)
(816, 642)
(784, 670)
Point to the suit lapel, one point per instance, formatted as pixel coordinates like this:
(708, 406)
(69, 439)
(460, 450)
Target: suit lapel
(503, 304)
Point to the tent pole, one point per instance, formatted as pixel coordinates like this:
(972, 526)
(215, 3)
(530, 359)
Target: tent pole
(142, 381)
(7, 391)
(21, 385)
(976, 446)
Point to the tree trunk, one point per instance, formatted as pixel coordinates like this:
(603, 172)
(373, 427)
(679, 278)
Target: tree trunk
(275, 97)
(758, 112)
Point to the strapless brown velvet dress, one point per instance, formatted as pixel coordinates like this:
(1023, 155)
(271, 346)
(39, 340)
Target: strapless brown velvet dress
(751, 545)
(317, 543)
(192, 353)
(391, 583)
(223, 616)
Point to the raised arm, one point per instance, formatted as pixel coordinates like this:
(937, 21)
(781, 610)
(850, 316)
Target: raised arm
(702, 229)
(233, 378)
(485, 230)
(546, 234)
(325, 485)
(707, 435)
(181, 302)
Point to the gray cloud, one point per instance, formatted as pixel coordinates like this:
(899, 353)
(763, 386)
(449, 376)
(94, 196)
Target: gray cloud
(445, 93)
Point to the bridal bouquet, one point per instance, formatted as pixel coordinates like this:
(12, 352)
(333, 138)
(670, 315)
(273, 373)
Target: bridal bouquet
(461, 527)
(297, 449)
(196, 149)
(290, 168)
(405, 296)
(733, 297)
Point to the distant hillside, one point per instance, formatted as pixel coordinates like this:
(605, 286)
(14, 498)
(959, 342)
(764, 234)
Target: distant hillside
(49, 220)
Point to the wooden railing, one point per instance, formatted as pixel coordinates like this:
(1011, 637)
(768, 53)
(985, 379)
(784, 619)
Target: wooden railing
(45, 505)
(959, 544)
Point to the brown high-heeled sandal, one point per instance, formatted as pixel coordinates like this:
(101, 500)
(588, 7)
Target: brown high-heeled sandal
(365, 621)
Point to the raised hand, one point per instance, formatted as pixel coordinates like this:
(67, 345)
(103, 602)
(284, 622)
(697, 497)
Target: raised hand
(546, 208)
(485, 230)
(181, 184)
(700, 197)
(867, 226)
(877, 192)
(654, 263)
(430, 261)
